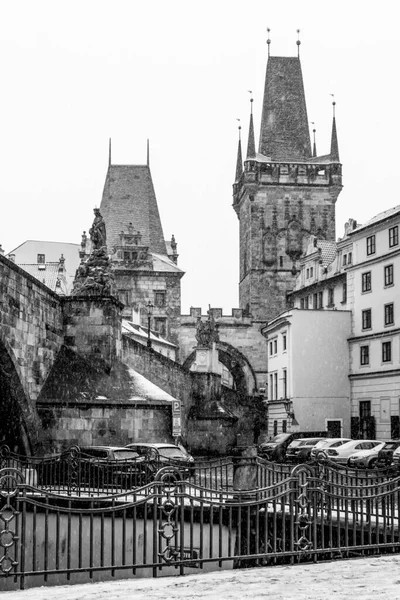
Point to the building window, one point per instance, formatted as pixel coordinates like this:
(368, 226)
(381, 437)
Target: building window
(306, 302)
(302, 303)
(160, 326)
(275, 427)
(331, 297)
(311, 271)
(366, 319)
(370, 245)
(389, 314)
(344, 292)
(320, 300)
(365, 409)
(364, 355)
(393, 236)
(349, 258)
(159, 299)
(41, 259)
(284, 426)
(366, 282)
(344, 259)
(284, 341)
(388, 275)
(275, 346)
(284, 383)
(271, 387)
(315, 301)
(281, 261)
(275, 386)
(386, 351)
(271, 348)
(307, 273)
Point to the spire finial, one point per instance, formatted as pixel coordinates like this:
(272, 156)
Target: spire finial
(109, 152)
(251, 145)
(314, 142)
(148, 152)
(268, 40)
(239, 161)
(251, 101)
(298, 43)
(239, 128)
(333, 104)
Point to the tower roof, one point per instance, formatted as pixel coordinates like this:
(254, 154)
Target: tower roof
(284, 133)
(334, 142)
(129, 197)
(251, 144)
(239, 161)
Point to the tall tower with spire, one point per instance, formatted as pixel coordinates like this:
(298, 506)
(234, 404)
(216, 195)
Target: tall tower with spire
(283, 193)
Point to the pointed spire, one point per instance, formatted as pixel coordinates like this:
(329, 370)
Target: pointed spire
(314, 142)
(251, 144)
(148, 152)
(109, 152)
(334, 140)
(239, 161)
(298, 43)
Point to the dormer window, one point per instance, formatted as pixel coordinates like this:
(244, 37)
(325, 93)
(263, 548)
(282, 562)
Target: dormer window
(41, 259)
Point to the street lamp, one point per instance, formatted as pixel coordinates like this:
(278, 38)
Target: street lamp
(149, 313)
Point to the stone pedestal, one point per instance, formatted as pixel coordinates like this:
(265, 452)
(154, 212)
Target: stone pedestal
(207, 359)
(245, 469)
(93, 327)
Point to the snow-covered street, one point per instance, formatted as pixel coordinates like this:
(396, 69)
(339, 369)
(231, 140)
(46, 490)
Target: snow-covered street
(361, 579)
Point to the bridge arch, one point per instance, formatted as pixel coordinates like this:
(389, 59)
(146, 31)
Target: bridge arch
(237, 364)
(18, 418)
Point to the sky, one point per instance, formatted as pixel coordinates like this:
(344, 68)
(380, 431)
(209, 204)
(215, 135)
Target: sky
(77, 73)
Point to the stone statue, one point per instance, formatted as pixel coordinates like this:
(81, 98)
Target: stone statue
(97, 231)
(206, 332)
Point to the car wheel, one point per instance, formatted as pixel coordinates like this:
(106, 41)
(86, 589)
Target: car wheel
(321, 455)
(372, 463)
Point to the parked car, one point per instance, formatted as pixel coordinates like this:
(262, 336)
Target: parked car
(385, 455)
(113, 466)
(340, 454)
(275, 449)
(396, 458)
(158, 455)
(365, 459)
(300, 450)
(325, 444)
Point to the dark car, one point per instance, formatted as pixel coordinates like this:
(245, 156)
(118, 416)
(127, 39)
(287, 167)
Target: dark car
(120, 467)
(385, 455)
(162, 454)
(275, 449)
(299, 451)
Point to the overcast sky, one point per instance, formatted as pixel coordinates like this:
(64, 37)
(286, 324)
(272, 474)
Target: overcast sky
(75, 73)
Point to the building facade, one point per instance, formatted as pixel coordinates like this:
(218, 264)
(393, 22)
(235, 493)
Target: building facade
(374, 292)
(308, 361)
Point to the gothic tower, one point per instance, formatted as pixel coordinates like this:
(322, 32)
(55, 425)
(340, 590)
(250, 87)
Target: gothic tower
(283, 193)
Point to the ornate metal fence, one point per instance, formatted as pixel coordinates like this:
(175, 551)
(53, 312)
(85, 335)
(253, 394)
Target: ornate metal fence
(171, 526)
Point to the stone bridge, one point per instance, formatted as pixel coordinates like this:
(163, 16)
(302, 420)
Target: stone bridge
(31, 335)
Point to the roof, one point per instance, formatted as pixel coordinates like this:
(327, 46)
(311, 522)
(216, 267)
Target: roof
(284, 133)
(163, 263)
(386, 214)
(47, 273)
(76, 379)
(328, 251)
(129, 197)
(142, 334)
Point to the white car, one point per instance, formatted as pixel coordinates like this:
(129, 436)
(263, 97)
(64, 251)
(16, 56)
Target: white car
(365, 459)
(325, 444)
(340, 454)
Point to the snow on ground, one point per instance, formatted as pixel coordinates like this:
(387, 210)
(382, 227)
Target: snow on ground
(359, 579)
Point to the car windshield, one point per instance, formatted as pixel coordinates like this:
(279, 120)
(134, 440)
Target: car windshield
(171, 452)
(391, 445)
(281, 437)
(125, 454)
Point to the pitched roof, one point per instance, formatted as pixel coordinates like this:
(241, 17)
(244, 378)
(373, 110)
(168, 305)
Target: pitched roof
(129, 197)
(284, 131)
(75, 379)
(48, 273)
(162, 263)
(390, 212)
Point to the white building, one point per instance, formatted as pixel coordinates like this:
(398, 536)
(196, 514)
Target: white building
(373, 282)
(308, 363)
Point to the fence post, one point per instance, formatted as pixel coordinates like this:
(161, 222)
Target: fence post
(245, 469)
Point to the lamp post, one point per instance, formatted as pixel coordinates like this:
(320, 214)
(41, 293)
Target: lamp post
(149, 313)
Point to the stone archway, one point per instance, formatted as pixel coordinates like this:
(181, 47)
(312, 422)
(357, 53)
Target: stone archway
(237, 364)
(18, 420)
